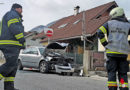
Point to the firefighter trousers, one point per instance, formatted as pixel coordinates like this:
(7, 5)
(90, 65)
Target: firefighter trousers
(9, 68)
(118, 65)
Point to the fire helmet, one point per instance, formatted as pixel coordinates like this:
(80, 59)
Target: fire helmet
(116, 12)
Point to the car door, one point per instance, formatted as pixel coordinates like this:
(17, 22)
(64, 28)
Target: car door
(25, 54)
(30, 57)
(35, 57)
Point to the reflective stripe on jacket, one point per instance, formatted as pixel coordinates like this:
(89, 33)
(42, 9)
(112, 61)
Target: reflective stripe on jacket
(118, 34)
(11, 30)
(104, 29)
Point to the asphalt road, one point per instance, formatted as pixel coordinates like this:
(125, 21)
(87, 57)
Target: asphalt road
(33, 80)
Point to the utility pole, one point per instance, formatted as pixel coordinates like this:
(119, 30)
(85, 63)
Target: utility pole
(83, 29)
(85, 53)
(48, 40)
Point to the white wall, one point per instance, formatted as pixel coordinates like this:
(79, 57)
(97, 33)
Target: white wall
(33, 42)
(100, 46)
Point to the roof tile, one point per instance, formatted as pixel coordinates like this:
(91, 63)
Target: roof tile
(91, 23)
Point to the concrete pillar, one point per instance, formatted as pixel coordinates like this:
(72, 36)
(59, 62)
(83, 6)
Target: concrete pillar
(86, 62)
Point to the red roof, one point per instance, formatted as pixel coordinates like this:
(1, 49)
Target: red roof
(94, 18)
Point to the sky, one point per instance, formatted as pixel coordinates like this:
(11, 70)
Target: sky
(42, 12)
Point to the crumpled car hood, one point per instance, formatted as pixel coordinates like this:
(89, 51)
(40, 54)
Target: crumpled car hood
(57, 45)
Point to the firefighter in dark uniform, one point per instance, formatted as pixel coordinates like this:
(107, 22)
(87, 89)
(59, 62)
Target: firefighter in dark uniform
(11, 41)
(117, 48)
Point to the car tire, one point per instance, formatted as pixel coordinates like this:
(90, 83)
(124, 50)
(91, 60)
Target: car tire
(20, 67)
(43, 67)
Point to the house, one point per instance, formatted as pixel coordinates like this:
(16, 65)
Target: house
(44, 34)
(30, 41)
(82, 24)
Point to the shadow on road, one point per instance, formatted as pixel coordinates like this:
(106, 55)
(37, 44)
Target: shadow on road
(27, 70)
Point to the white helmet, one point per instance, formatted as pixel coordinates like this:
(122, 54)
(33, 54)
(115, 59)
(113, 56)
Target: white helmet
(116, 12)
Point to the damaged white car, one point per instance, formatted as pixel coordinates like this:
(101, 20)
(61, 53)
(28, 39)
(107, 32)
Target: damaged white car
(47, 59)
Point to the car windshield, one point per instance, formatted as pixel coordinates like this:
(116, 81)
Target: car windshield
(41, 50)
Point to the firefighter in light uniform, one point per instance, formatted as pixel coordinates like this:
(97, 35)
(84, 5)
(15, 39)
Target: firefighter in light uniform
(117, 48)
(11, 41)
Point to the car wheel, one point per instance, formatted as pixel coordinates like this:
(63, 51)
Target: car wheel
(43, 67)
(20, 67)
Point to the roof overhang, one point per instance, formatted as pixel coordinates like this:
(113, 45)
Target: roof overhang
(75, 37)
(32, 33)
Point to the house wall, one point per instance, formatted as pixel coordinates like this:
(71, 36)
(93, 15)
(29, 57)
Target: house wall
(30, 42)
(100, 46)
(95, 60)
(128, 54)
(45, 43)
(80, 50)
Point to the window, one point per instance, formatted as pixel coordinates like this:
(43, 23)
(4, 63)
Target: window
(26, 51)
(30, 51)
(76, 21)
(34, 51)
(41, 50)
(63, 25)
(98, 16)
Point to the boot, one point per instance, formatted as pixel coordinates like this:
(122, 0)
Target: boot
(9, 86)
(124, 88)
(112, 88)
(16, 89)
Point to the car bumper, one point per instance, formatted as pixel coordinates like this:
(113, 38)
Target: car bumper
(60, 69)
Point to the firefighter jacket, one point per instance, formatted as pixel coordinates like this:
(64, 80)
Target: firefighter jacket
(12, 30)
(117, 31)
